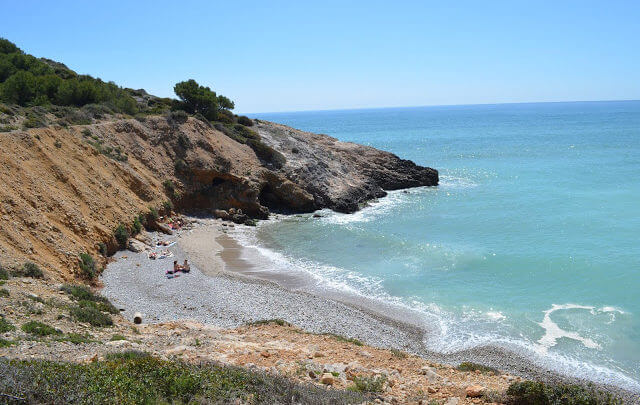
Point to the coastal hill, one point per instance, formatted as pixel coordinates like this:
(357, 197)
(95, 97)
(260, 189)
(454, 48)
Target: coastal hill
(76, 171)
(88, 169)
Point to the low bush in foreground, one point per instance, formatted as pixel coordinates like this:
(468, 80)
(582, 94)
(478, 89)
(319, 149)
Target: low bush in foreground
(91, 315)
(368, 384)
(135, 378)
(538, 393)
(40, 329)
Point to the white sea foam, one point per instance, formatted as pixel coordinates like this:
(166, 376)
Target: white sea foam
(452, 333)
(455, 182)
(553, 332)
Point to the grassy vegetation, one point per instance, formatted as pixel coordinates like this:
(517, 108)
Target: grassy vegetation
(117, 337)
(40, 329)
(136, 378)
(5, 326)
(6, 343)
(4, 292)
(91, 315)
(345, 339)
(368, 384)
(75, 338)
(472, 367)
(538, 393)
(4, 274)
(29, 269)
(90, 307)
(279, 322)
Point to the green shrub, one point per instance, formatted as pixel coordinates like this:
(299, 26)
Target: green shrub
(367, 384)
(538, 393)
(5, 326)
(39, 329)
(57, 144)
(6, 343)
(75, 338)
(137, 378)
(345, 339)
(91, 315)
(122, 235)
(279, 322)
(104, 306)
(29, 269)
(169, 187)
(184, 141)
(102, 247)
(136, 227)
(87, 266)
(469, 366)
(225, 117)
(4, 274)
(117, 337)
(82, 293)
(177, 117)
(127, 355)
(180, 166)
(202, 118)
(153, 214)
(246, 121)
(167, 206)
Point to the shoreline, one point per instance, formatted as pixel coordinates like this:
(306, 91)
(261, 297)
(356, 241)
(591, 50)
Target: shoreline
(240, 293)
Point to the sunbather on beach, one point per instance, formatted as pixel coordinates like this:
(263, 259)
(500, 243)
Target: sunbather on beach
(186, 267)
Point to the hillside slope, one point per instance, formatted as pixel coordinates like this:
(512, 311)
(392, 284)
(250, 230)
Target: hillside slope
(64, 190)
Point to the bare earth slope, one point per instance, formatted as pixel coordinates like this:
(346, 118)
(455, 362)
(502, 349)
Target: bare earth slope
(64, 190)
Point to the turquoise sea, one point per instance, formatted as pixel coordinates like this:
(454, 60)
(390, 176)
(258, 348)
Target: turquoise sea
(531, 241)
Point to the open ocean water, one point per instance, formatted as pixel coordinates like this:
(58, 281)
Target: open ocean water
(531, 241)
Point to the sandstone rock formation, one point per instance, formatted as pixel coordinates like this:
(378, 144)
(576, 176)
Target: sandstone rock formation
(64, 190)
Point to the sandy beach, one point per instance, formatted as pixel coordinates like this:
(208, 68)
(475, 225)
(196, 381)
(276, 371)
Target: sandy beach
(225, 290)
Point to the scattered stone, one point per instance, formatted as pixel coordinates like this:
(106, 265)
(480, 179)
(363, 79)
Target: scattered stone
(327, 379)
(136, 246)
(475, 391)
(265, 354)
(452, 401)
(222, 214)
(365, 353)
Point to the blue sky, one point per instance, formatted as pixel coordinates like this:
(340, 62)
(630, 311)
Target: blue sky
(302, 55)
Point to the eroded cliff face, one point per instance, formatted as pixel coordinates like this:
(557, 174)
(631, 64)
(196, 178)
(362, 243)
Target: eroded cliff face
(62, 191)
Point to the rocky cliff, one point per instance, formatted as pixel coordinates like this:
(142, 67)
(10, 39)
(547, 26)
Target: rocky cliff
(64, 190)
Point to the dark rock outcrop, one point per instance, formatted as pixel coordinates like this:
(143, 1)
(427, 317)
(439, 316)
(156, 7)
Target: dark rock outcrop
(340, 175)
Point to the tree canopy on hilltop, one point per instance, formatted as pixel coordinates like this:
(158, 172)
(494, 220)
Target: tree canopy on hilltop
(27, 80)
(197, 99)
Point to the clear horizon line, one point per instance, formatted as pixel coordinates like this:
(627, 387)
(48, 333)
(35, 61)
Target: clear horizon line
(436, 105)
